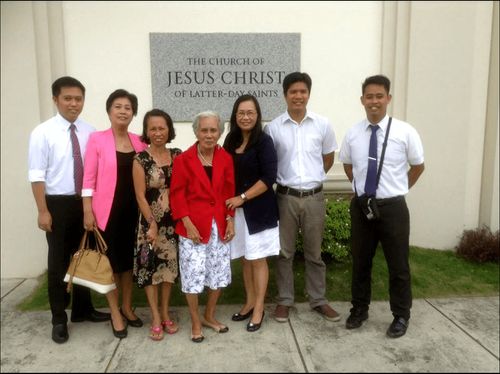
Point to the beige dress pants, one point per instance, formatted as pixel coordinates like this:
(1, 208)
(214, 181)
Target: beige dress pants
(308, 215)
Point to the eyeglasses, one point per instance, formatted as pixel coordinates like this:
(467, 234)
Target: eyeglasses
(249, 114)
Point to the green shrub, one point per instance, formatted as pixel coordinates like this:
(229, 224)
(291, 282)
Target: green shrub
(479, 245)
(337, 232)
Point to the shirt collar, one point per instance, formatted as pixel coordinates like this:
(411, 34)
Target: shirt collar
(288, 118)
(382, 124)
(65, 124)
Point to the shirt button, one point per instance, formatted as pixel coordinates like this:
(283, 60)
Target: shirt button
(212, 203)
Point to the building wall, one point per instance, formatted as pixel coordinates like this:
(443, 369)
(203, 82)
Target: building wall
(23, 246)
(436, 54)
(448, 77)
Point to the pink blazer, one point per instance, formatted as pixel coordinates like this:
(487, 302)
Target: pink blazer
(193, 194)
(99, 172)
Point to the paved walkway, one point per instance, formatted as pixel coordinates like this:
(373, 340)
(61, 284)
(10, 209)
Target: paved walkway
(445, 335)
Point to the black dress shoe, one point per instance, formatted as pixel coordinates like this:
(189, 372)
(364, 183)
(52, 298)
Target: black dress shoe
(398, 327)
(132, 322)
(119, 333)
(60, 333)
(93, 316)
(251, 327)
(356, 319)
(241, 317)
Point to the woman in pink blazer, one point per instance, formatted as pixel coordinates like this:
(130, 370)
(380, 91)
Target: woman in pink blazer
(202, 181)
(109, 199)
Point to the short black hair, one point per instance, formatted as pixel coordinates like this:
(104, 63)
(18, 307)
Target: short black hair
(122, 93)
(66, 82)
(294, 78)
(380, 80)
(157, 113)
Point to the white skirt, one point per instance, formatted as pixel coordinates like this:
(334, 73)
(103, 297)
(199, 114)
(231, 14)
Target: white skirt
(260, 245)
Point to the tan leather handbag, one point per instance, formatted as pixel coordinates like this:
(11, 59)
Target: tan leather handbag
(90, 267)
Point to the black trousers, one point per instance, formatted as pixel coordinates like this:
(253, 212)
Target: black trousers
(392, 230)
(63, 241)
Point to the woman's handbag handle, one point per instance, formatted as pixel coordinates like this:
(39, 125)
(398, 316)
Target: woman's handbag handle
(101, 245)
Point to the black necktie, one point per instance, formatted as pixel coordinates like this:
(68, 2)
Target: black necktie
(77, 161)
(371, 174)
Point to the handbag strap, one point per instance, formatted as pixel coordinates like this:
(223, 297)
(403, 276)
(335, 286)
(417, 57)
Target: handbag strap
(78, 255)
(84, 243)
(101, 245)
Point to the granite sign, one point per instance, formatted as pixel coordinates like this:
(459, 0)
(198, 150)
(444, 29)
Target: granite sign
(191, 73)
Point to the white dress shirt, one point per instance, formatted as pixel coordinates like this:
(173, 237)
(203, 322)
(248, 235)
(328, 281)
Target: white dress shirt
(404, 148)
(300, 148)
(51, 154)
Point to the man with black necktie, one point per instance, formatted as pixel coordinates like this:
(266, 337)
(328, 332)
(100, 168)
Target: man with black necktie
(383, 158)
(56, 152)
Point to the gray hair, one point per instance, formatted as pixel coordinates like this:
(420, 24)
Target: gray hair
(205, 114)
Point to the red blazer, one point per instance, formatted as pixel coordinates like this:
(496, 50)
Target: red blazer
(192, 194)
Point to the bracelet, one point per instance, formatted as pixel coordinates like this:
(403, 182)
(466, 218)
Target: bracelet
(228, 218)
(243, 197)
(150, 219)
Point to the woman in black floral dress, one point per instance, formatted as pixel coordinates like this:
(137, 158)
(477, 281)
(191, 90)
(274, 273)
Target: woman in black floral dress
(155, 257)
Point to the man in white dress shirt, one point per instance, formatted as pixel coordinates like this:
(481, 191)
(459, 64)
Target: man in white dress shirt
(378, 211)
(305, 144)
(60, 209)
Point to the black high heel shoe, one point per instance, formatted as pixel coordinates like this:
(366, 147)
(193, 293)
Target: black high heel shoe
(241, 317)
(132, 322)
(251, 327)
(120, 334)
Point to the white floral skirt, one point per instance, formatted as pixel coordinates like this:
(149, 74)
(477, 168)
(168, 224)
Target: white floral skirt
(203, 265)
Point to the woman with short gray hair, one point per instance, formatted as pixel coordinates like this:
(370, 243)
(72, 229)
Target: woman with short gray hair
(202, 181)
(207, 114)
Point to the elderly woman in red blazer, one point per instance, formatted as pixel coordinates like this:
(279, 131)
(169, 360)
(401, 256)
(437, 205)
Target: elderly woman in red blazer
(202, 180)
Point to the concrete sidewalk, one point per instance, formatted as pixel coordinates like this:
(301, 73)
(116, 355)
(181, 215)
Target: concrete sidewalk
(445, 335)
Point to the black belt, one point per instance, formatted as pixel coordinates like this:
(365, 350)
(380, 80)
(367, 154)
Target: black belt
(298, 193)
(63, 197)
(389, 200)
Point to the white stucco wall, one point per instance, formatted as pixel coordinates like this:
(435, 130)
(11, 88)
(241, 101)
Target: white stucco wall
(340, 47)
(447, 88)
(436, 53)
(23, 246)
(106, 46)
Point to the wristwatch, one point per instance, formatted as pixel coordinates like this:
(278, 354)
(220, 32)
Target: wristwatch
(243, 196)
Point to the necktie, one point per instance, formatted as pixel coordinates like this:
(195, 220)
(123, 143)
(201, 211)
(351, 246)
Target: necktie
(371, 174)
(77, 161)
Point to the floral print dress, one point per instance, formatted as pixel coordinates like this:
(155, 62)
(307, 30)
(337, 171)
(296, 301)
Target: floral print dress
(154, 265)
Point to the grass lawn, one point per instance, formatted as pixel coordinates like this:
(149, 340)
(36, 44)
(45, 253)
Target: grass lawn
(434, 274)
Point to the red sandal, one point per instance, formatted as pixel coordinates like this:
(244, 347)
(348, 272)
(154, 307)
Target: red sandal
(170, 326)
(156, 333)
